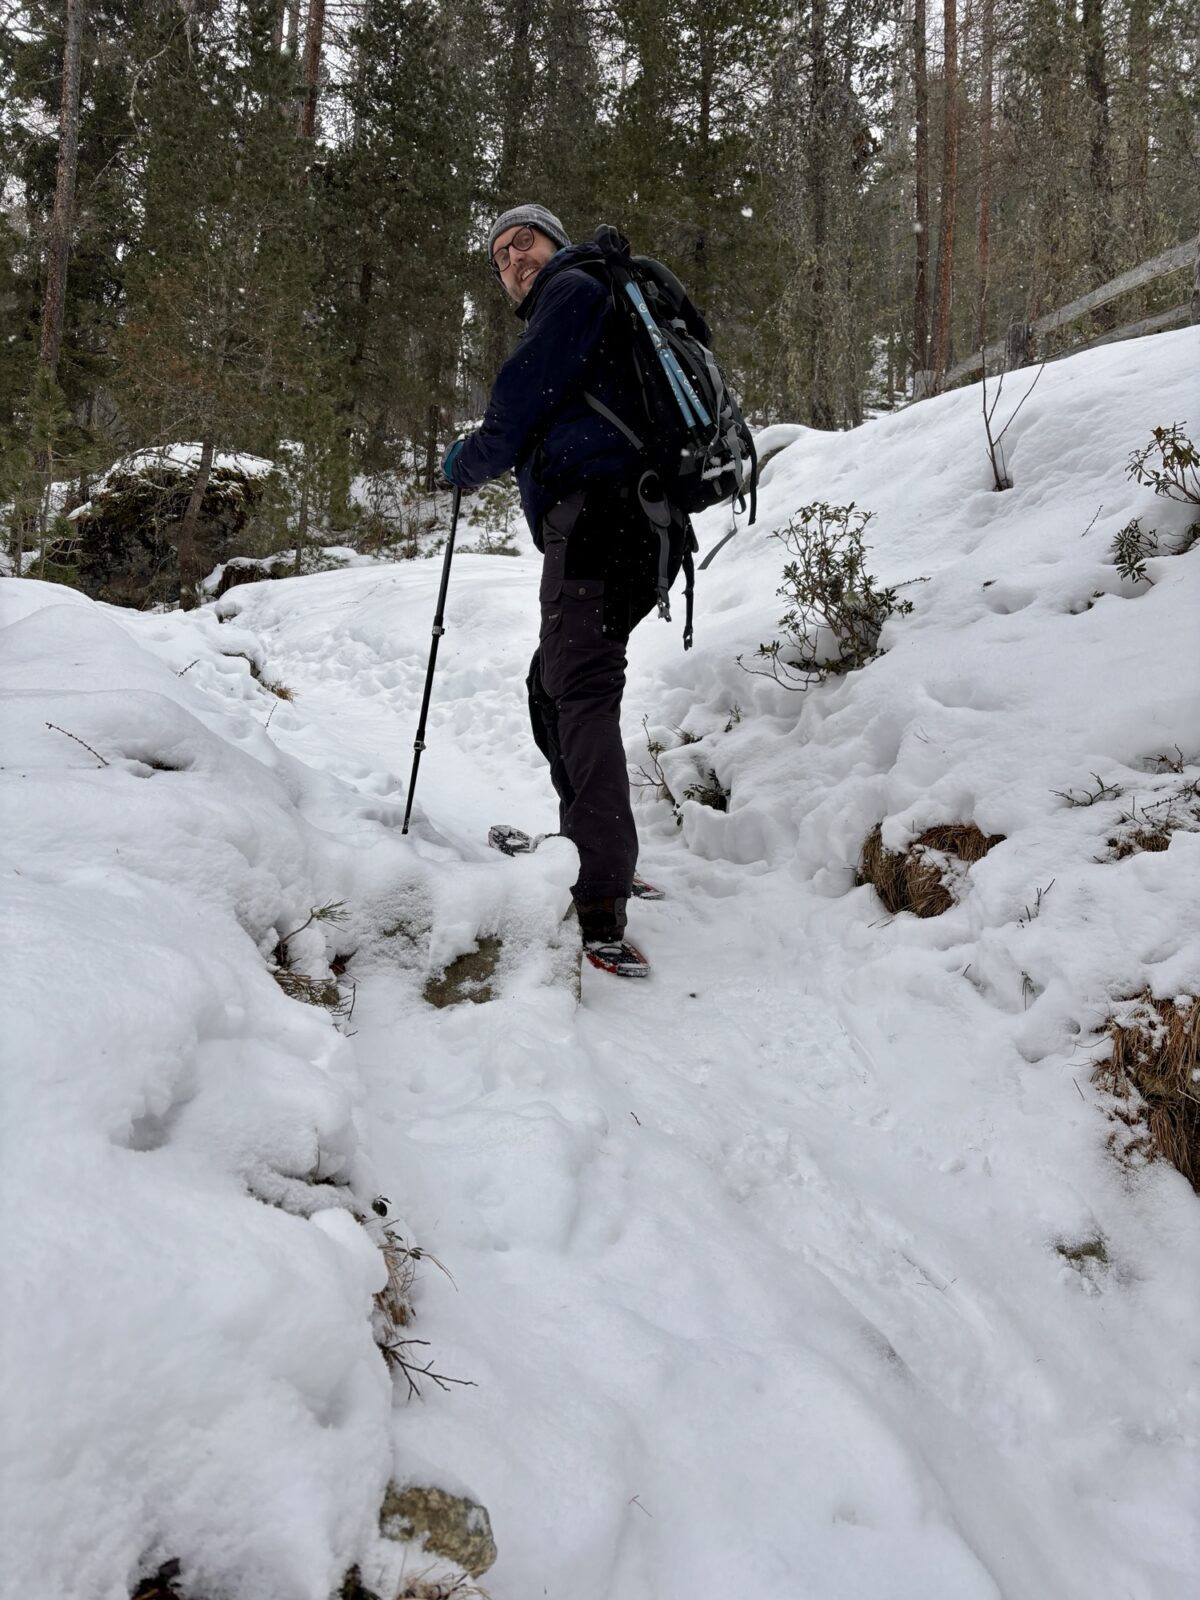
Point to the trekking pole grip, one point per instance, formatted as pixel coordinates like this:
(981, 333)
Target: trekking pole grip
(437, 632)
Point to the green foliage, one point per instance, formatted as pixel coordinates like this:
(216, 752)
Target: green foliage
(1169, 464)
(215, 343)
(1132, 548)
(827, 586)
(231, 279)
(710, 792)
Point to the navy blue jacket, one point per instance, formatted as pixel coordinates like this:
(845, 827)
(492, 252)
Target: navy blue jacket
(537, 420)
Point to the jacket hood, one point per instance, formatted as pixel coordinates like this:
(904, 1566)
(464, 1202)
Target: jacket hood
(574, 255)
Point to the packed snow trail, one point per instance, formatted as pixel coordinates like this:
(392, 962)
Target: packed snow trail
(808, 1270)
(756, 1266)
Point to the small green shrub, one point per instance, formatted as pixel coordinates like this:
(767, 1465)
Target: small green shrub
(1176, 473)
(826, 586)
(1132, 548)
(712, 792)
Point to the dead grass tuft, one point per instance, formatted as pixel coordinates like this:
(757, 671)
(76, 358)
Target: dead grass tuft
(1151, 827)
(923, 878)
(1154, 1070)
(160, 1585)
(1153, 840)
(1084, 1251)
(393, 1303)
(312, 991)
(421, 1587)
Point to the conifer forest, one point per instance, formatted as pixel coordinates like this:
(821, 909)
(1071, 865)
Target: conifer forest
(260, 225)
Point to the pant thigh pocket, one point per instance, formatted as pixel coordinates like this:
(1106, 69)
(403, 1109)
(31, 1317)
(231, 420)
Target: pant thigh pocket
(554, 559)
(582, 604)
(573, 644)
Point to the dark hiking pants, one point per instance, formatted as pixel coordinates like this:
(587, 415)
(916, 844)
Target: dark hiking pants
(600, 556)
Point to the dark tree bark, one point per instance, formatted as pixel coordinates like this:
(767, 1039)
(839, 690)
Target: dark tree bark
(185, 541)
(983, 255)
(921, 218)
(705, 187)
(433, 428)
(517, 86)
(1139, 125)
(313, 38)
(945, 257)
(1100, 218)
(58, 253)
(821, 407)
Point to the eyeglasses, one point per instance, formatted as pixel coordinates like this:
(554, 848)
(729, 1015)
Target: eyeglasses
(521, 240)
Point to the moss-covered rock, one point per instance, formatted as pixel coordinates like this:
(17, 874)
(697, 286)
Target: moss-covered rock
(447, 1525)
(124, 536)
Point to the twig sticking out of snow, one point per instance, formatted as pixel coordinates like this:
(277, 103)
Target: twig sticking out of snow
(55, 727)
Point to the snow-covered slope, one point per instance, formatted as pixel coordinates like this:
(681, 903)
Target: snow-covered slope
(805, 1269)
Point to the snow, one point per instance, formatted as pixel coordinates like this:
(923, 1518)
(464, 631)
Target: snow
(755, 1266)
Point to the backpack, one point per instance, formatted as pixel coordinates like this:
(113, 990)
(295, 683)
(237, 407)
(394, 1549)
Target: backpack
(691, 432)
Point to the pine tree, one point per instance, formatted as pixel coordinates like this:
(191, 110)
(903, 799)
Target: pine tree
(216, 348)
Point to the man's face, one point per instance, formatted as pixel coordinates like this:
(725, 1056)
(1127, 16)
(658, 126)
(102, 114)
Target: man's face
(523, 264)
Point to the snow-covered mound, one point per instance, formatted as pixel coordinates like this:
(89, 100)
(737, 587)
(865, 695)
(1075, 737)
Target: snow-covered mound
(818, 1265)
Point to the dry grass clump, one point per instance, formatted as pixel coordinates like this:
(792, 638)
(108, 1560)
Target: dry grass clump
(422, 1587)
(921, 879)
(1150, 827)
(1154, 1068)
(159, 1585)
(393, 1303)
(313, 991)
(324, 992)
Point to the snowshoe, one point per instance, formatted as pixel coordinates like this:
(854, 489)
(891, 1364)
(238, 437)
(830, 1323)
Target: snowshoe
(516, 842)
(645, 891)
(513, 841)
(617, 956)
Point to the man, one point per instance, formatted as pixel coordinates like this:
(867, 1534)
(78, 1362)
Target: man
(578, 477)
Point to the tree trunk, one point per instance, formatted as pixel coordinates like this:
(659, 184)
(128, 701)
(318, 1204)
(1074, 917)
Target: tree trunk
(1139, 125)
(312, 67)
(64, 192)
(185, 540)
(921, 219)
(945, 257)
(431, 449)
(983, 255)
(705, 187)
(821, 409)
(1099, 169)
(516, 84)
(302, 523)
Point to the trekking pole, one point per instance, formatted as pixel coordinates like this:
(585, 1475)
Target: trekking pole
(438, 631)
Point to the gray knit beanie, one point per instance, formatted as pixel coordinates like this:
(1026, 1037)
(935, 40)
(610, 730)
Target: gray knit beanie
(536, 217)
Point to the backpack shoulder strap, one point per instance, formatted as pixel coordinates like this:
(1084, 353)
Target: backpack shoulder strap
(675, 295)
(610, 416)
